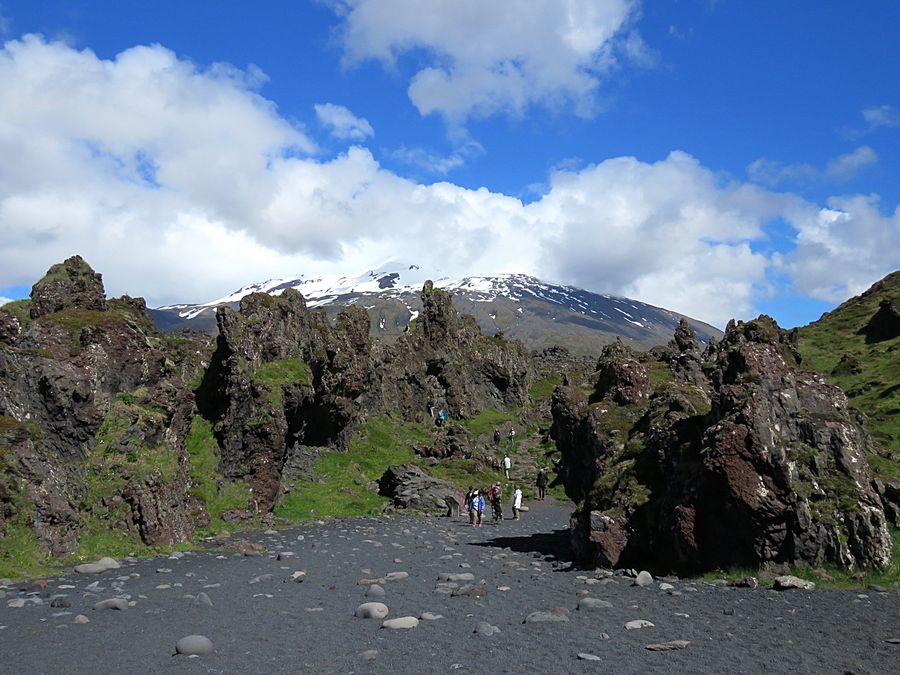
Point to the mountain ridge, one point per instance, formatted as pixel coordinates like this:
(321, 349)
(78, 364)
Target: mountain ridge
(519, 306)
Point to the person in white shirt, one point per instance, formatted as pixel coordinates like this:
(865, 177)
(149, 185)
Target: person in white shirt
(507, 465)
(517, 502)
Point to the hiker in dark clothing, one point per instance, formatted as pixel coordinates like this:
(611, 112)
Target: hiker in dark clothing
(542, 483)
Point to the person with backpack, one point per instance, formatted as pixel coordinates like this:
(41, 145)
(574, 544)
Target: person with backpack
(497, 437)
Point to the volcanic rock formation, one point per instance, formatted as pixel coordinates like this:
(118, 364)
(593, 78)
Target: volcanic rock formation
(737, 457)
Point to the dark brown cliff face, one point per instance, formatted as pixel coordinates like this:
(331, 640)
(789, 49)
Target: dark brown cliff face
(737, 458)
(61, 373)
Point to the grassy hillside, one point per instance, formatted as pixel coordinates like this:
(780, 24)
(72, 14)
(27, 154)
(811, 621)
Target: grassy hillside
(867, 370)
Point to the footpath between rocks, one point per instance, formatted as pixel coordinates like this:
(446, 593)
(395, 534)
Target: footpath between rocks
(406, 594)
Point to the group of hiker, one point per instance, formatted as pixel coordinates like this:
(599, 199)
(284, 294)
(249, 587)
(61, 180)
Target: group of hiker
(477, 501)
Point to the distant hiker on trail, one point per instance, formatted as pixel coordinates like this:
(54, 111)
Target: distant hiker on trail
(511, 438)
(497, 437)
(470, 505)
(440, 419)
(517, 502)
(507, 465)
(542, 483)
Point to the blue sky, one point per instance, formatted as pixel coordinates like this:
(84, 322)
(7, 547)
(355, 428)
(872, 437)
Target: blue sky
(715, 157)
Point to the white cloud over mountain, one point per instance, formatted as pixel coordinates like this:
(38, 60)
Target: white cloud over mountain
(496, 56)
(183, 184)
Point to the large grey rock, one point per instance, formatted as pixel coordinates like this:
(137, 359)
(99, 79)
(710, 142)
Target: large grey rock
(553, 616)
(638, 623)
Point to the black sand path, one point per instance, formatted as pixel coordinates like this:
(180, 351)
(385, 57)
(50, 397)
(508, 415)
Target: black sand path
(261, 621)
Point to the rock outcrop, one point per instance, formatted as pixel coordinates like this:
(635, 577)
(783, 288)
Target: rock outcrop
(745, 461)
(62, 376)
(411, 488)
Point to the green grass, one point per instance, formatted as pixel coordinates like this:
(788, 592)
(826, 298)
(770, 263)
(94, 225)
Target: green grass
(487, 420)
(21, 309)
(216, 494)
(21, 554)
(343, 477)
(542, 390)
(875, 389)
(841, 578)
(276, 374)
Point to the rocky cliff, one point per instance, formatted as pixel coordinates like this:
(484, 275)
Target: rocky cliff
(93, 414)
(733, 457)
(114, 435)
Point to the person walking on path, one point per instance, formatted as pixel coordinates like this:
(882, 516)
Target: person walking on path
(541, 483)
(511, 438)
(496, 494)
(470, 505)
(517, 502)
(507, 465)
(479, 506)
(497, 438)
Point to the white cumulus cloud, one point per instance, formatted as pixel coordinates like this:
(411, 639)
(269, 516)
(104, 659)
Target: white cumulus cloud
(182, 184)
(342, 123)
(842, 248)
(482, 57)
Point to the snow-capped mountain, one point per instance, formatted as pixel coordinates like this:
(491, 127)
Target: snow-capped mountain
(521, 306)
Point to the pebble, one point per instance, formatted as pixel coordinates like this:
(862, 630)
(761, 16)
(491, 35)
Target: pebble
(666, 587)
(90, 568)
(553, 616)
(668, 646)
(588, 657)
(396, 576)
(469, 591)
(428, 616)
(401, 623)
(369, 655)
(638, 623)
(299, 576)
(81, 618)
(485, 629)
(194, 645)
(372, 610)
(203, 599)
(112, 603)
(374, 591)
(261, 578)
(18, 602)
(789, 581)
(109, 563)
(462, 576)
(593, 604)
(643, 579)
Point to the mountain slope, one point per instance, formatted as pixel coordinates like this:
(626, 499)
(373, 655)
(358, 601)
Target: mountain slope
(857, 347)
(519, 306)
